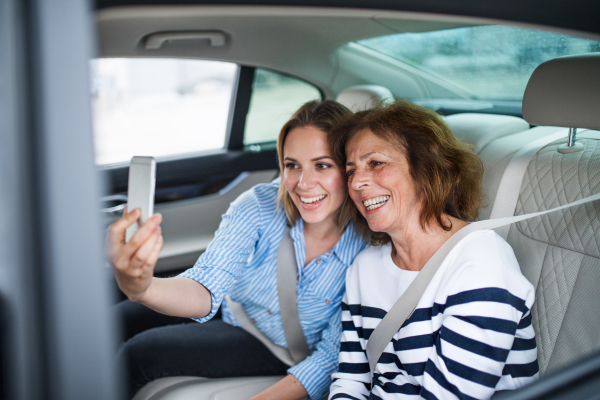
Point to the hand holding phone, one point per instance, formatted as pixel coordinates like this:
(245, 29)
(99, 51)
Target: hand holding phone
(140, 190)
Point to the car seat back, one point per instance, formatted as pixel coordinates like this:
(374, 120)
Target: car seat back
(364, 97)
(560, 252)
(480, 129)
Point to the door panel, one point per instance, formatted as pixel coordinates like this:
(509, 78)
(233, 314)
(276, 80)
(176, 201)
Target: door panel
(189, 226)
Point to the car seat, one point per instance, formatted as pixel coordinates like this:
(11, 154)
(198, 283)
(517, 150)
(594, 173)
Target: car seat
(560, 252)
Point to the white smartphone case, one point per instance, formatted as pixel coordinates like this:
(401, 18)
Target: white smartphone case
(140, 190)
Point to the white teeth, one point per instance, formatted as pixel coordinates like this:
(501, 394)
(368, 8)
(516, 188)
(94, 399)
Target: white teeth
(375, 202)
(312, 199)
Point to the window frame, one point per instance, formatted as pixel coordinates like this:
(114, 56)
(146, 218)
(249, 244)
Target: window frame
(233, 157)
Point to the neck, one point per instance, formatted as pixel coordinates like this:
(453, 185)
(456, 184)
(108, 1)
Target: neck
(413, 246)
(323, 230)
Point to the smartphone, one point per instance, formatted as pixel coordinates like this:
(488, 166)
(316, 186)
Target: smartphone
(140, 190)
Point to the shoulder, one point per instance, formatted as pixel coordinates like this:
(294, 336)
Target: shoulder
(483, 248)
(262, 196)
(484, 260)
(368, 260)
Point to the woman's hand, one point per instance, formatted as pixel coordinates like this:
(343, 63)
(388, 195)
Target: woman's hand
(133, 262)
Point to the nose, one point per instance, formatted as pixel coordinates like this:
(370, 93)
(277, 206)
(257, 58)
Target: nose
(307, 180)
(359, 180)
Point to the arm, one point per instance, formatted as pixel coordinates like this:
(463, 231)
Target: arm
(133, 265)
(485, 315)
(353, 377)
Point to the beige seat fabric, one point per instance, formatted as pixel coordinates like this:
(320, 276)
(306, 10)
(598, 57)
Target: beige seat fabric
(560, 253)
(364, 97)
(194, 388)
(481, 129)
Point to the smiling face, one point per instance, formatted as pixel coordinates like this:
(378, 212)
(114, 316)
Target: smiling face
(315, 183)
(380, 184)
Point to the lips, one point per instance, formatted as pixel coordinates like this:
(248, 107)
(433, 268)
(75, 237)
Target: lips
(375, 202)
(311, 200)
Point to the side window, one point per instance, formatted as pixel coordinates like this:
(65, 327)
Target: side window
(159, 107)
(274, 99)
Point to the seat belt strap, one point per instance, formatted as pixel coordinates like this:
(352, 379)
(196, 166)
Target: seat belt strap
(240, 315)
(287, 272)
(509, 189)
(401, 310)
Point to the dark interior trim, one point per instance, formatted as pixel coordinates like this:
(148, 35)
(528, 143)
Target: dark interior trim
(185, 171)
(241, 96)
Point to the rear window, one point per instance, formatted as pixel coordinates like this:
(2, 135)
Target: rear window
(275, 97)
(491, 62)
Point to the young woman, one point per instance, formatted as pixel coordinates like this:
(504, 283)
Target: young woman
(311, 198)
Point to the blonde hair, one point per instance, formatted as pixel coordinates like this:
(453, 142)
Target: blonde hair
(322, 115)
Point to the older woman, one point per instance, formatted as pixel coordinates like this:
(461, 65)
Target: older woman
(415, 185)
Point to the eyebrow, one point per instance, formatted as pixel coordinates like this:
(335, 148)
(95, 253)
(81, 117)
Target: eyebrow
(361, 158)
(314, 159)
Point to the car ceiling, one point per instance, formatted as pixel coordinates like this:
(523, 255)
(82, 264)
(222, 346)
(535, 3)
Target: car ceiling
(300, 41)
(572, 15)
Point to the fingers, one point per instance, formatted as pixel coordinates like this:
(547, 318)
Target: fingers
(140, 257)
(116, 230)
(142, 234)
(153, 257)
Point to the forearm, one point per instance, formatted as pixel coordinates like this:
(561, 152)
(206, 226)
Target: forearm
(289, 388)
(178, 296)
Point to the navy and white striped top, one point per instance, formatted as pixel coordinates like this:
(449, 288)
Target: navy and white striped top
(469, 336)
(241, 261)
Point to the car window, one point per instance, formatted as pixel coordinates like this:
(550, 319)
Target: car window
(159, 107)
(491, 62)
(274, 99)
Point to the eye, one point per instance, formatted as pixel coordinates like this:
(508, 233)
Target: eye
(349, 173)
(323, 166)
(291, 166)
(374, 163)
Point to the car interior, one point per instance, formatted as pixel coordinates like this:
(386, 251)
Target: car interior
(558, 252)
(239, 71)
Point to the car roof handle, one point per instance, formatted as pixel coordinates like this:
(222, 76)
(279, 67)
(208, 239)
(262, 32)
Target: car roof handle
(155, 41)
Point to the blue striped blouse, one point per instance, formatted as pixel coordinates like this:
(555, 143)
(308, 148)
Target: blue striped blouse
(241, 261)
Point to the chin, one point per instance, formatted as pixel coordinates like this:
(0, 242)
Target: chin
(311, 218)
(377, 226)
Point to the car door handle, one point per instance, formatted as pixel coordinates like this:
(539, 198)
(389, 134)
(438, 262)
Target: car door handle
(113, 204)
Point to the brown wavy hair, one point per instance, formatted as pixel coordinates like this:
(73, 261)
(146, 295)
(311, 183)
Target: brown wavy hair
(323, 115)
(447, 172)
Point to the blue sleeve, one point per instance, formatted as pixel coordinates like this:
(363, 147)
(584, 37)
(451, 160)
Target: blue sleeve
(315, 372)
(219, 266)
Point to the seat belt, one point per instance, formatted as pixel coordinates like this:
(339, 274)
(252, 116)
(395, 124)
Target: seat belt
(509, 189)
(287, 271)
(395, 318)
(404, 306)
(510, 183)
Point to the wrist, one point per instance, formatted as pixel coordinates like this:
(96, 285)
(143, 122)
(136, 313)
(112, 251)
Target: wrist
(144, 296)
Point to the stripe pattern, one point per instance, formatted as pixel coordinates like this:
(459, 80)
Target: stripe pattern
(241, 261)
(469, 336)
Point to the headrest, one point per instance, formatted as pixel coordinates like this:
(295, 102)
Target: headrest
(481, 129)
(565, 92)
(364, 97)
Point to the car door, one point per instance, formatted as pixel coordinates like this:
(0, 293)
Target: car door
(212, 127)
